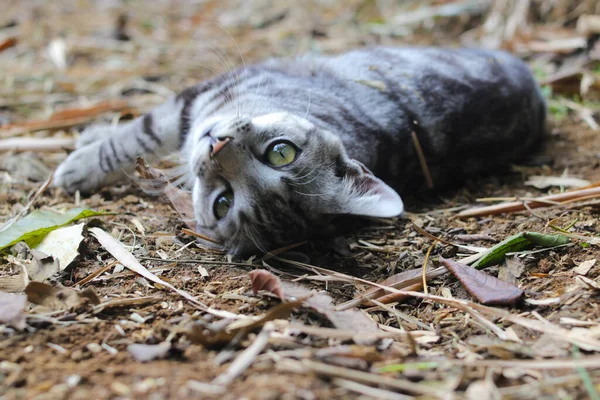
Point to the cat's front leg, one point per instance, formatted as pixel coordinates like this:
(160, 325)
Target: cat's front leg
(105, 154)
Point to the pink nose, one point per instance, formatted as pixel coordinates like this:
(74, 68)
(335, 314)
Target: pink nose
(218, 145)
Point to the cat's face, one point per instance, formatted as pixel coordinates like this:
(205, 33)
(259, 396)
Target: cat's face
(264, 182)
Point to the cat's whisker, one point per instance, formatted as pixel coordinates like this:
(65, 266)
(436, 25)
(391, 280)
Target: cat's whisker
(311, 194)
(239, 52)
(226, 92)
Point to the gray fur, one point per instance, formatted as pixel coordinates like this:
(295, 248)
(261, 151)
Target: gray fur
(472, 111)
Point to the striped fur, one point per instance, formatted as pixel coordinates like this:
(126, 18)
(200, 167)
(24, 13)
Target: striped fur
(348, 115)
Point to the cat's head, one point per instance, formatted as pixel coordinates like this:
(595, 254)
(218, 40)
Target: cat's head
(264, 182)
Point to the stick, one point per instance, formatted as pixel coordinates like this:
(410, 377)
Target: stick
(534, 203)
(36, 144)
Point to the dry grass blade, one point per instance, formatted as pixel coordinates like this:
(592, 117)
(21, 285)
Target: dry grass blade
(96, 273)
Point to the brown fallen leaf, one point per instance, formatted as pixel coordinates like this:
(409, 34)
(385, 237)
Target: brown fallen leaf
(148, 352)
(11, 309)
(352, 319)
(181, 200)
(264, 280)
(485, 288)
(56, 298)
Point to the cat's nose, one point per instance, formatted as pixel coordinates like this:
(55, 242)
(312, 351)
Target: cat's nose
(217, 145)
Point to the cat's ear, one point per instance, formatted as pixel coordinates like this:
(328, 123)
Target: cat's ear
(364, 194)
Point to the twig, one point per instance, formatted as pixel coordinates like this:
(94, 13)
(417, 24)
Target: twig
(36, 144)
(573, 195)
(96, 273)
(245, 359)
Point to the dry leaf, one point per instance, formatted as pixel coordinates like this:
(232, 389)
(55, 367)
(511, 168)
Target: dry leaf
(41, 266)
(584, 267)
(181, 200)
(485, 288)
(11, 309)
(352, 320)
(515, 266)
(148, 352)
(264, 280)
(118, 251)
(56, 298)
(63, 244)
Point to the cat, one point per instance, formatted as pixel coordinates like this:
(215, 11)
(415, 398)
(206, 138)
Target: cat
(273, 150)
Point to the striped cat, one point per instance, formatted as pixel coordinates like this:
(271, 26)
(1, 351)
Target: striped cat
(274, 149)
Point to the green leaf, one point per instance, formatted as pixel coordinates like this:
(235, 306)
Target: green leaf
(519, 242)
(543, 240)
(39, 223)
(496, 254)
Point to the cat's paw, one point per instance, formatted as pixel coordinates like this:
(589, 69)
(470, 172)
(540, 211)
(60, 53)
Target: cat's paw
(81, 171)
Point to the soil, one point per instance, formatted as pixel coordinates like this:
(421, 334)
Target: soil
(83, 353)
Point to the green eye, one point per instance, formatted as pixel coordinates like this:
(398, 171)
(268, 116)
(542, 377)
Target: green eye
(281, 154)
(223, 204)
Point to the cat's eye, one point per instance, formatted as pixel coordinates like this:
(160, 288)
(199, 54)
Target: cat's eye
(280, 154)
(222, 204)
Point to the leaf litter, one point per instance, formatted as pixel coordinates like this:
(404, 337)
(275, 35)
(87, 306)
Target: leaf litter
(430, 344)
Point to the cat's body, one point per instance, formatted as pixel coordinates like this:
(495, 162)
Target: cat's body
(276, 147)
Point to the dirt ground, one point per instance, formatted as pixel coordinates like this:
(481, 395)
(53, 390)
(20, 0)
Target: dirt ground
(129, 56)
